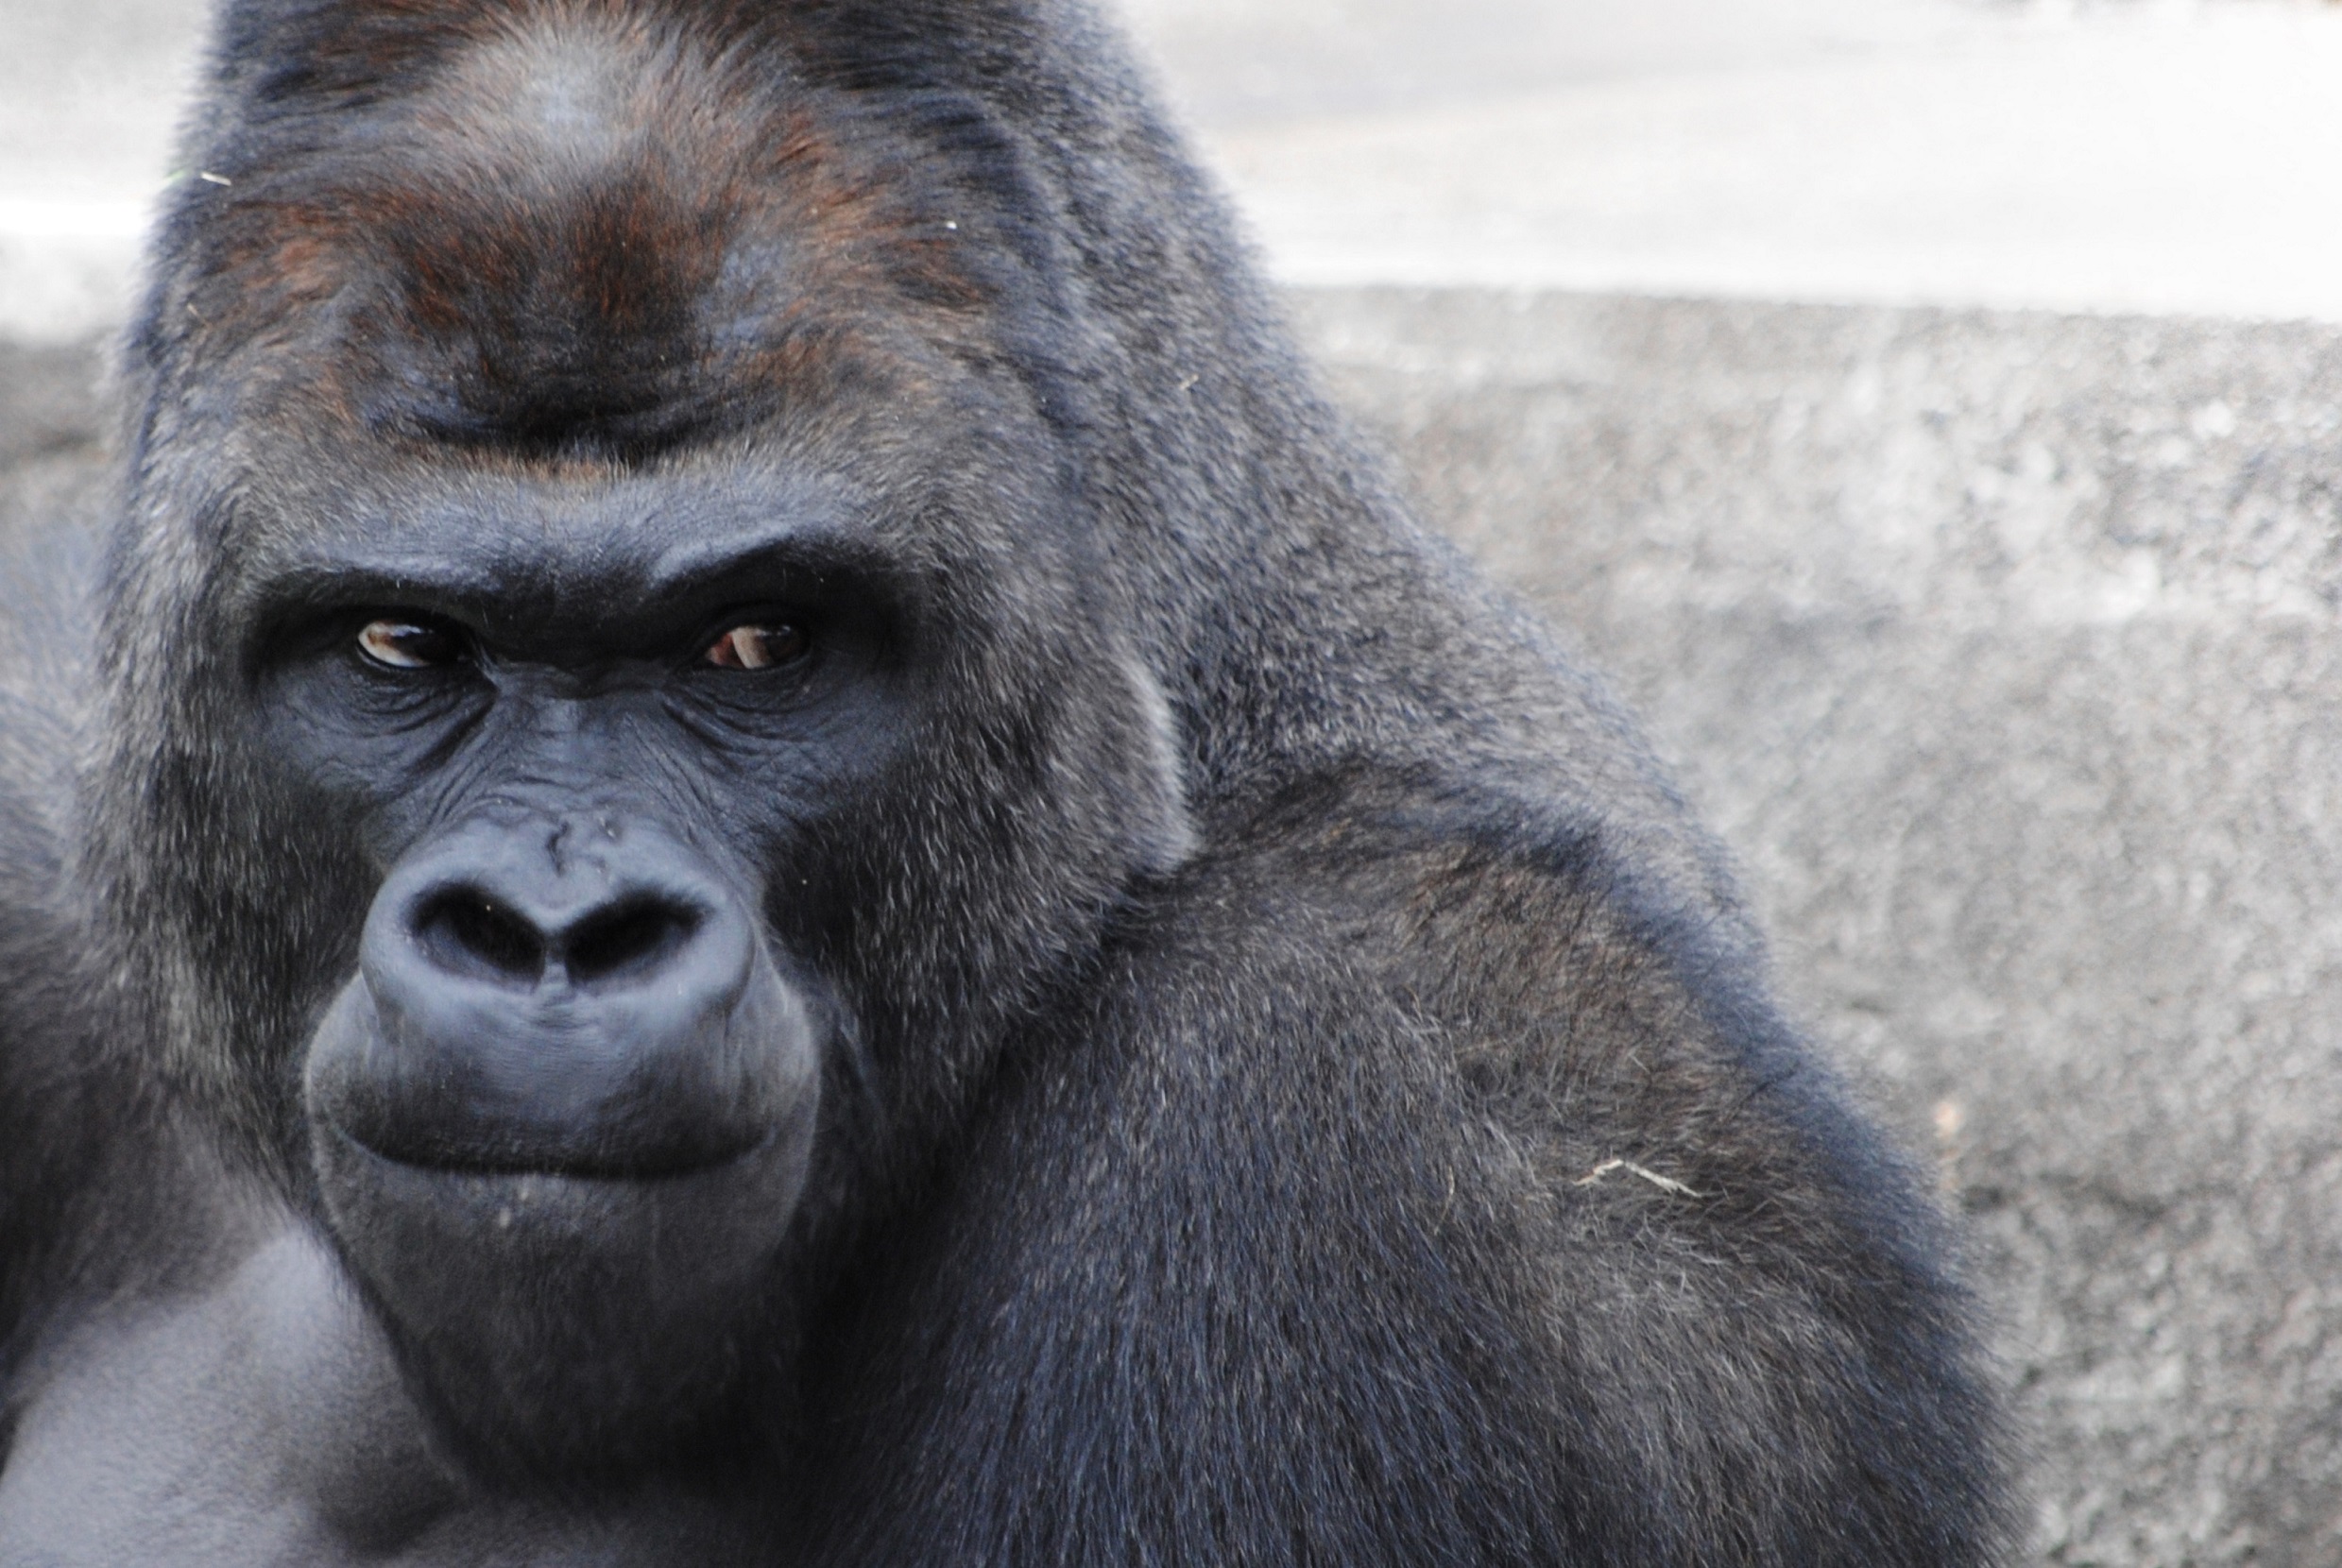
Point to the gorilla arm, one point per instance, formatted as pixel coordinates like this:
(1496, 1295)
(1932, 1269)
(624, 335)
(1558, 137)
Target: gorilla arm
(1407, 1198)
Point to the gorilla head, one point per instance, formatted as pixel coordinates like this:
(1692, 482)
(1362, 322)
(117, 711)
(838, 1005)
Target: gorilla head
(607, 652)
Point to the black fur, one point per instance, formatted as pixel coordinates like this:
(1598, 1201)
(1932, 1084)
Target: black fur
(1289, 1083)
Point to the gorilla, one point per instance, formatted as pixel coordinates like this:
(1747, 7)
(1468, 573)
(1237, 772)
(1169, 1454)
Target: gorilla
(743, 838)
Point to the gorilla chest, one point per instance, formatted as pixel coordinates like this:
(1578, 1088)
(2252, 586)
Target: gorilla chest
(261, 1421)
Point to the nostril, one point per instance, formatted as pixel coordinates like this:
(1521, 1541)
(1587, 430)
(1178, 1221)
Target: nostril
(632, 935)
(462, 929)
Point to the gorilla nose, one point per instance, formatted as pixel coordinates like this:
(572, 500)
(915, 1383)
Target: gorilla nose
(470, 932)
(639, 943)
(522, 1009)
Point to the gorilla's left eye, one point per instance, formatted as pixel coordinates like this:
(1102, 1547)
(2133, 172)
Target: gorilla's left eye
(759, 646)
(396, 643)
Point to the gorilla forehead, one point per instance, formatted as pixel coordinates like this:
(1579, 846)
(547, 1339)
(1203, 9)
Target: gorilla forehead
(578, 90)
(572, 233)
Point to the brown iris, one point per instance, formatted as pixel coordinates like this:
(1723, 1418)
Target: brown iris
(396, 644)
(758, 646)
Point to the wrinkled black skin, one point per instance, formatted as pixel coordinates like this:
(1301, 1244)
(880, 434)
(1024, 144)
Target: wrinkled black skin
(1228, 953)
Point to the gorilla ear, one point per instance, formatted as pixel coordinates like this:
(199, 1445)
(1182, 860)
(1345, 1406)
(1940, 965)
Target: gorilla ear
(1167, 838)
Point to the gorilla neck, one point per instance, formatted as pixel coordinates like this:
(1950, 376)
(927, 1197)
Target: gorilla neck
(261, 1413)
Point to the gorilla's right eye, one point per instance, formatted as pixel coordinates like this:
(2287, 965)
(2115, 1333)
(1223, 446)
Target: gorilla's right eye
(396, 643)
(759, 646)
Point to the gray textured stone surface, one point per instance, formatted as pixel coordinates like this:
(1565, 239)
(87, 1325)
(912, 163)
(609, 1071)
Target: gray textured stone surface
(2004, 651)
(49, 403)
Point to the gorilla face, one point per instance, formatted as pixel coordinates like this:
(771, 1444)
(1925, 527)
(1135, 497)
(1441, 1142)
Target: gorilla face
(586, 948)
(600, 879)
(603, 878)
(618, 711)
(561, 1112)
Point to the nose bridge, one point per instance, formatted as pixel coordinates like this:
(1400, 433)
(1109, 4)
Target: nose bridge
(555, 867)
(567, 755)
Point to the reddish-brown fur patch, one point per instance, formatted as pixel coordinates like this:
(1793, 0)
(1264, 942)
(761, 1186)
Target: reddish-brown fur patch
(578, 229)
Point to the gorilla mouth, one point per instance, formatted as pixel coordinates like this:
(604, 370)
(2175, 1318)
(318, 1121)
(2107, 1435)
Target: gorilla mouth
(616, 1158)
(394, 1213)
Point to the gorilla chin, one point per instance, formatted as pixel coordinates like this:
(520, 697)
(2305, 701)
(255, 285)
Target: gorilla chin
(560, 1120)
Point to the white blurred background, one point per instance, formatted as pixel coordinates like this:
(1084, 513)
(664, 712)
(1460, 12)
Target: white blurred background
(2156, 155)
